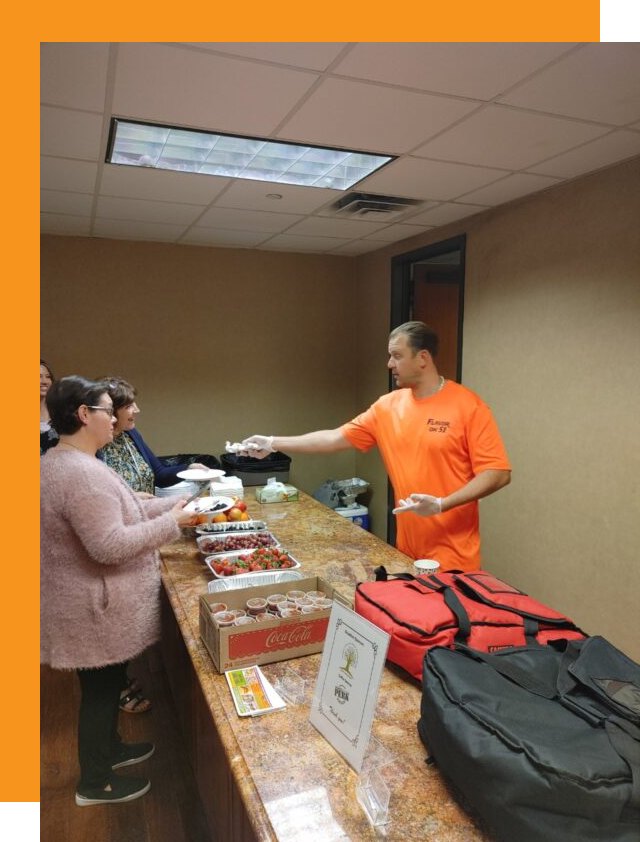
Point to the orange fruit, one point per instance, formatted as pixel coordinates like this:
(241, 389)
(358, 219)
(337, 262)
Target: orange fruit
(245, 516)
(219, 518)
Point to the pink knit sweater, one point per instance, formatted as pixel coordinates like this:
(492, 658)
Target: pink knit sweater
(100, 570)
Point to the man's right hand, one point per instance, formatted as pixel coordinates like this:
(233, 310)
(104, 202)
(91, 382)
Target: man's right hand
(258, 446)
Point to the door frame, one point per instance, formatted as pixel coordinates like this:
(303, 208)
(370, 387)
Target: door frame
(401, 303)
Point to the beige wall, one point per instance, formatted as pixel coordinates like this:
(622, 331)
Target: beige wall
(221, 343)
(552, 343)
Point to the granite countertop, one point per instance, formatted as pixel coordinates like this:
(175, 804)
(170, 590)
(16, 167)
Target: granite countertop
(294, 785)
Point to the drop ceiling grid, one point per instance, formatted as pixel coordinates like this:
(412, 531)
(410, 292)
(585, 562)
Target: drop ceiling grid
(294, 89)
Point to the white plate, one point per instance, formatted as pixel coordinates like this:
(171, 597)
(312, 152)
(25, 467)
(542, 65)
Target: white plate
(198, 475)
(203, 505)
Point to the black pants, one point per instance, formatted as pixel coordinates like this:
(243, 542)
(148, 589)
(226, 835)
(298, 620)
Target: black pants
(98, 737)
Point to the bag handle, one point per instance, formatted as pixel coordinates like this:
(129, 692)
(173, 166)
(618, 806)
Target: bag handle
(431, 582)
(508, 670)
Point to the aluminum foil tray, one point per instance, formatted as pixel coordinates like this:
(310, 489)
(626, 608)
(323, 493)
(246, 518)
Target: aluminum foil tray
(249, 580)
(202, 541)
(231, 526)
(210, 559)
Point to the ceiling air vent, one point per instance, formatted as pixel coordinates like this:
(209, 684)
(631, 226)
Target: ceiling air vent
(372, 207)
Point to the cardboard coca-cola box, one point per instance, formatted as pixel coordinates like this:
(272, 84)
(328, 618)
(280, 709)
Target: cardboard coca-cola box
(276, 639)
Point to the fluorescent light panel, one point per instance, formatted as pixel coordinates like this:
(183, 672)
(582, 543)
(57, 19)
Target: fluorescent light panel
(185, 150)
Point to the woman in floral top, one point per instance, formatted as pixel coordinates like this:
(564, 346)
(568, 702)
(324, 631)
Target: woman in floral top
(130, 457)
(128, 454)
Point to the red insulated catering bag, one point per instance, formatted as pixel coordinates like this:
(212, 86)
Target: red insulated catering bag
(476, 609)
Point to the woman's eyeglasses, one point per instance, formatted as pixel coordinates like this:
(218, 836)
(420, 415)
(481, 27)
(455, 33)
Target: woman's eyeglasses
(107, 409)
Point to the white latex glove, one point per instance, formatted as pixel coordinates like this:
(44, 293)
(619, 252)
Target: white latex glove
(420, 504)
(257, 446)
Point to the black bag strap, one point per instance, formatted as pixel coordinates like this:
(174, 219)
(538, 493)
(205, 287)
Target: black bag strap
(464, 623)
(382, 576)
(509, 670)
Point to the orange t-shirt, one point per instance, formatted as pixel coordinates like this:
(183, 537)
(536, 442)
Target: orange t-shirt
(435, 446)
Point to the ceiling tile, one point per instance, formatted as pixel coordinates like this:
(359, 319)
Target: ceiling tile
(70, 134)
(253, 196)
(398, 232)
(511, 187)
(599, 82)
(62, 174)
(216, 237)
(247, 220)
(371, 117)
(322, 226)
(504, 137)
(313, 56)
(60, 201)
(144, 211)
(447, 212)
(481, 71)
(74, 74)
(198, 89)
(592, 156)
(287, 242)
(357, 247)
(120, 229)
(160, 185)
(52, 223)
(421, 179)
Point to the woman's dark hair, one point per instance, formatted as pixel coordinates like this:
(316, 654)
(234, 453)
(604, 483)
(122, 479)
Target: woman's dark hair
(48, 367)
(121, 392)
(64, 398)
(420, 337)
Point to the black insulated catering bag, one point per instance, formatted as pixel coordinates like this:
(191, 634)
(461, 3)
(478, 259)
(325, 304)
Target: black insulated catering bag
(544, 744)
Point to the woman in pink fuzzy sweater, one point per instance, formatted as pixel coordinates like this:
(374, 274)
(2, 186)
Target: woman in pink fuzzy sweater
(100, 579)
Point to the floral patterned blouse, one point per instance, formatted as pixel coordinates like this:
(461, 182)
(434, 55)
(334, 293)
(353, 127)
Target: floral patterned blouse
(123, 456)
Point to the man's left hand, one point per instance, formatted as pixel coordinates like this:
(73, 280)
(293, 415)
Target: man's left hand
(420, 504)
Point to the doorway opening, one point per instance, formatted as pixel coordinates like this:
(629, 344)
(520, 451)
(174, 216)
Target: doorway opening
(427, 285)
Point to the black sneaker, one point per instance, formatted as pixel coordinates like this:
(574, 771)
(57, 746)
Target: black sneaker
(131, 753)
(122, 789)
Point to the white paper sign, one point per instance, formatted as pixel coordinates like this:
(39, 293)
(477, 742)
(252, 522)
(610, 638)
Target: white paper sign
(346, 691)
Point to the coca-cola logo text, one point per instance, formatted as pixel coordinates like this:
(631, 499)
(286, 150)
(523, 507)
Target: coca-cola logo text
(296, 635)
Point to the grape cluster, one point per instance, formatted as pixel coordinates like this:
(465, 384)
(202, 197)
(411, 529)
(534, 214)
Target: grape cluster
(237, 542)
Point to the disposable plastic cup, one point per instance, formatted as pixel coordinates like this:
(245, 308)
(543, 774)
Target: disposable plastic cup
(224, 618)
(256, 605)
(215, 607)
(293, 595)
(324, 604)
(243, 621)
(425, 567)
(275, 600)
(310, 609)
(237, 612)
(304, 601)
(316, 595)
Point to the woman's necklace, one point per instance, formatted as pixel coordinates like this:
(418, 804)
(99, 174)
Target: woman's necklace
(74, 446)
(439, 387)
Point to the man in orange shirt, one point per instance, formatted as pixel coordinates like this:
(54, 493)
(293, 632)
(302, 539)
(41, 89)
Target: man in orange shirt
(439, 443)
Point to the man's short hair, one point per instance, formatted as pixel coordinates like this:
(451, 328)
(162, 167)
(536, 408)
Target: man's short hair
(420, 337)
